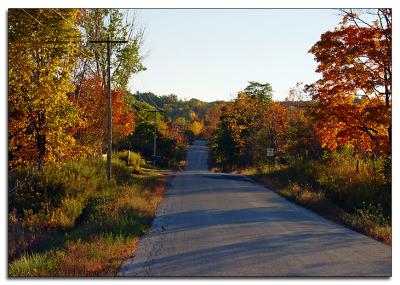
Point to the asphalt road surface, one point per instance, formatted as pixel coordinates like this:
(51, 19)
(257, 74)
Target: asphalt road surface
(213, 224)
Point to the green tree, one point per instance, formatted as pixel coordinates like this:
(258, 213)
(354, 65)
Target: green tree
(126, 59)
(261, 92)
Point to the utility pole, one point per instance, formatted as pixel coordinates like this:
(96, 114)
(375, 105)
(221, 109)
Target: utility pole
(155, 134)
(155, 138)
(109, 103)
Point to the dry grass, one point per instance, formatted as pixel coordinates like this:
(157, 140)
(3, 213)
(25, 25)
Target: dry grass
(105, 234)
(319, 203)
(101, 256)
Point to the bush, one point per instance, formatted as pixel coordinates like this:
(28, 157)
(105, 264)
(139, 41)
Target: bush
(373, 213)
(131, 158)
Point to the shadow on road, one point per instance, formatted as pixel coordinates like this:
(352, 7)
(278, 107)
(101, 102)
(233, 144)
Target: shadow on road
(282, 249)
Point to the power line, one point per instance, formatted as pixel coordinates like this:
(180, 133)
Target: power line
(142, 98)
(141, 107)
(137, 112)
(155, 105)
(59, 14)
(32, 17)
(77, 49)
(152, 104)
(140, 116)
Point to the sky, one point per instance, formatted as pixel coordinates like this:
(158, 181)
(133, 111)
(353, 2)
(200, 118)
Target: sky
(211, 54)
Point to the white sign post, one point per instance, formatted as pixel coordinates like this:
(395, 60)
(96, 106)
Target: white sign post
(270, 154)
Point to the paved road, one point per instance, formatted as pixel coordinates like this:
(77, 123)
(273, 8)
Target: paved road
(213, 224)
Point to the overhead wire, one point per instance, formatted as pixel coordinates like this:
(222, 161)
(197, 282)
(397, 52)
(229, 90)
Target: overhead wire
(83, 52)
(32, 17)
(155, 105)
(59, 14)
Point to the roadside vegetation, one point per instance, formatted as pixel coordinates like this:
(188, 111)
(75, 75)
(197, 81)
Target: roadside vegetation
(331, 139)
(361, 201)
(68, 221)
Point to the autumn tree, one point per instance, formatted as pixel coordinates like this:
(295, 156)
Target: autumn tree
(211, 119)
(270, 131)
(196, 127)
(235, 129)
(297, 94)
(92, 108)
(90, 74)
(41, 54)
(354, 94)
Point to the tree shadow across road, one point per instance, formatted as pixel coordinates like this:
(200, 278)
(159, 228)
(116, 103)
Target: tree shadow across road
(284, 255)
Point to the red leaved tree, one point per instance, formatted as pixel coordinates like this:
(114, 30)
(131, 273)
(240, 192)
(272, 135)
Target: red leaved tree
(92, 105)
(354, 95)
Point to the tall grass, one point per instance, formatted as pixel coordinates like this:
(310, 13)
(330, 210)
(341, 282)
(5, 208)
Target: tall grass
(131, 158)
(55, 198)
(354, 191)
(70, 212)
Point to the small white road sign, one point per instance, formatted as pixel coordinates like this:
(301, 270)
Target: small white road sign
(270, 151)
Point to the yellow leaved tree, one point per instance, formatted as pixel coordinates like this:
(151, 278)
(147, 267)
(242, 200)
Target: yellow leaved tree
(42, 51)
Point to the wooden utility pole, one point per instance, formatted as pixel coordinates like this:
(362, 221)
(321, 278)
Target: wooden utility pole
(155, 134)
(155, 138)
(109, 102)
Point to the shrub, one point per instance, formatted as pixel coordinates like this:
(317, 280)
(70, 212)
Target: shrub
(131, 158)
(373, 213)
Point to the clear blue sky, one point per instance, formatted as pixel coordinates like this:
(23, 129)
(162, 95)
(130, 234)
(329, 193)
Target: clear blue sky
(212, 54)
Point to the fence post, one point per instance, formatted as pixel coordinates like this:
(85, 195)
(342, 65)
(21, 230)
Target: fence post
(31, 170)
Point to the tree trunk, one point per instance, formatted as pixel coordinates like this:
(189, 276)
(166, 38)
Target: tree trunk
(41, 139)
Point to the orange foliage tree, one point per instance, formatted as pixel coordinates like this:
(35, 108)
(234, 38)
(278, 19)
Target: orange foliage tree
(354, 95)
(92, 110)
(271, 131)
(211, 119)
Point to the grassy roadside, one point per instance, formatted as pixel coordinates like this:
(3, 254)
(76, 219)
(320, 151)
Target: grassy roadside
(91, 228)
(283, 181)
